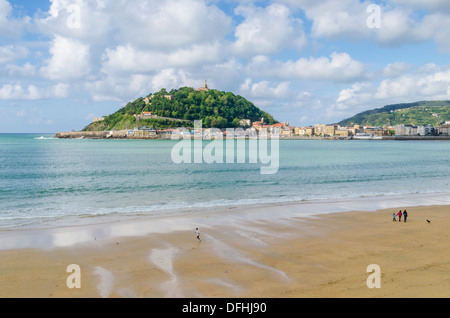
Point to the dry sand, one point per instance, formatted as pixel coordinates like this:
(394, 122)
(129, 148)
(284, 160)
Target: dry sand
(323, 256)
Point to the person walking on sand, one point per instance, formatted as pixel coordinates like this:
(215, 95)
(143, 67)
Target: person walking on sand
(393, 217)
(399, 215)
(405, 215)
(197, 233)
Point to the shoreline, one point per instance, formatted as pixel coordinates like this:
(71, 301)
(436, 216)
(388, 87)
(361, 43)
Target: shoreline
(103, 136)
(75, 229)
(290, 256)
(123, 135)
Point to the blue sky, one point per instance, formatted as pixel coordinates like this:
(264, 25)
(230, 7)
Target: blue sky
(64, 62)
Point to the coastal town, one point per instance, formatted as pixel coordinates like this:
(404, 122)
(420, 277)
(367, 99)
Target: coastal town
(140, 124)
(329, 131)
(284, 130)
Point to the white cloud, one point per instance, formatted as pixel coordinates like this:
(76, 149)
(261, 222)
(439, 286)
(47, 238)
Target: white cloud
(267, 30)
(396, 69)
(170, 79)
(337, 19)
(226, 75)
(126, 59)
(264, 89)
(430, 82)
(347, 96)
(9, 53)
(116, 89)
(119, 89)
(138, 22)
(10, 27)
(25, 71)
(60, 90)
(120, 50)
(142, 23)
(171, 24)
(398, 26)
(123, 89)
(5, 11)
(348, 19)
(78, 19)
(197, 55)
(417, 86)
(433, 5)
(339, 67)
(391, 89)
(70, 60)
(19, 91)
(435, 27)
(400, 22)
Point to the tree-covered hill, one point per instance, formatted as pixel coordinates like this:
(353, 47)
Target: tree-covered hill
(215, 108)
(417, 113)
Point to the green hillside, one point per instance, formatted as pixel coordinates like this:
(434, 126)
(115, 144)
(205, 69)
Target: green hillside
(418, 113)
(215, 108)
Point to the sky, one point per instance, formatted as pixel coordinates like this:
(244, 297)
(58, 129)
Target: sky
(65, 62)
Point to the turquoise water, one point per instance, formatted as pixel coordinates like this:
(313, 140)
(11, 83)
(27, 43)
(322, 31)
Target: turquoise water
(43, 180)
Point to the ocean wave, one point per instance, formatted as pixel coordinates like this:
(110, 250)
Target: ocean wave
(44, 138)
(38, 216)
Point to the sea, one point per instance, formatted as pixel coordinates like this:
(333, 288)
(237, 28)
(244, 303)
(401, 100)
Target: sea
(46, 182)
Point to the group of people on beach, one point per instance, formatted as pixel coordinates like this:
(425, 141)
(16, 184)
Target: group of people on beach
(399, 214)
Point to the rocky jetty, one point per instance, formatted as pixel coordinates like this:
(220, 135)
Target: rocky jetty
(118, 134)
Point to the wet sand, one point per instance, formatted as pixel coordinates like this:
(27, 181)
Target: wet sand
(294, 257)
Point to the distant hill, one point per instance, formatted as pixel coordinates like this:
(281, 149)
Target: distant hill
(180, 107)
(417, 113)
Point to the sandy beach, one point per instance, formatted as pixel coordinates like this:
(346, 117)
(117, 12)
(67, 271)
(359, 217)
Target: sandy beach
(296, 257)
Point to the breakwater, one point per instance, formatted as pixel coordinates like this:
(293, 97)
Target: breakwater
(125, 134)
(117, 134)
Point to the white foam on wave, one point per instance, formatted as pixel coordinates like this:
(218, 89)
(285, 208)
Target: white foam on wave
(44, 138)
(88, 229)
(39, 218)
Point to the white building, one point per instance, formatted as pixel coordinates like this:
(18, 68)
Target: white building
(405, 130)
(426, 130)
